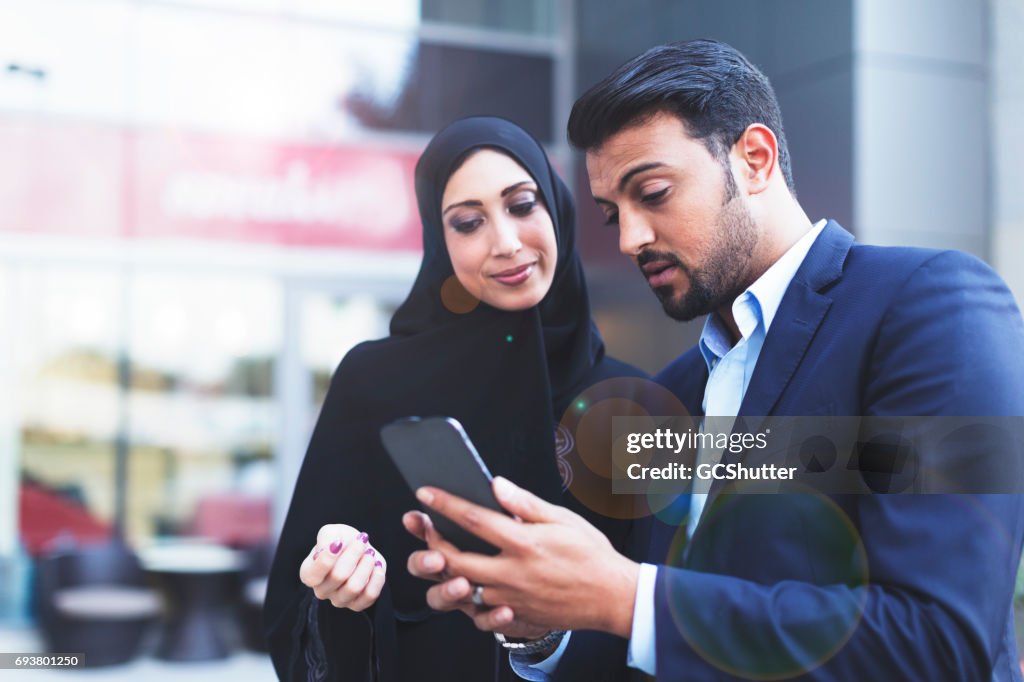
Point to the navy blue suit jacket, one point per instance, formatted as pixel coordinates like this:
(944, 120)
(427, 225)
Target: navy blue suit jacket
(865, 587)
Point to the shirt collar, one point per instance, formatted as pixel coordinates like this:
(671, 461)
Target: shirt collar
(714, 341)
(759, 302)
(771, 286)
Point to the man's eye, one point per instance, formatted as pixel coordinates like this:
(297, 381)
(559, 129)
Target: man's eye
(654, 197)
(612, 218)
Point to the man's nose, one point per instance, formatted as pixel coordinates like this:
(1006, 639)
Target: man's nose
(635, 233)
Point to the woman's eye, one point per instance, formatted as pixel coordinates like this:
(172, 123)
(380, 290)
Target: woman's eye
(466, 226)
(654, 197)
(612, 218)
(522, 208)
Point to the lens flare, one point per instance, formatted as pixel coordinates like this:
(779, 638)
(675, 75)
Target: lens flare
(455, 298)
(833, 558)
(588, 421)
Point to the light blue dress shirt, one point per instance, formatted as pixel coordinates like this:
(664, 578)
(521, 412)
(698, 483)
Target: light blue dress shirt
(730, 368)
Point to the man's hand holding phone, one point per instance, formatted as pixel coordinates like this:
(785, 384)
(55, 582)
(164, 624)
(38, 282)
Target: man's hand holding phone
(455, 593)
(436, 453)
(553, 569)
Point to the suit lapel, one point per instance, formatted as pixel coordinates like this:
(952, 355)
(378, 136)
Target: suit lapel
(800, 313)
(798, 319)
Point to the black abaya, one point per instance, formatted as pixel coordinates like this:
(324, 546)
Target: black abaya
(506, 376)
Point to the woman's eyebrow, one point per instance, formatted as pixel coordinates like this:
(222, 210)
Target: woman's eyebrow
(512, 188)
(475, 202)
(468, 202)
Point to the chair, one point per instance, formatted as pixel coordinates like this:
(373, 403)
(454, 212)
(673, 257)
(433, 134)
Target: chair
(94, 600)
(233, 519)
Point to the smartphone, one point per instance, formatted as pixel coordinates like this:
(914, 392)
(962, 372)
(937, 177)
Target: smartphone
(436, 451)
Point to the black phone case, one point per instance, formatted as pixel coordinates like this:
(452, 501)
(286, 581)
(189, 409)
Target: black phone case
(436, 451)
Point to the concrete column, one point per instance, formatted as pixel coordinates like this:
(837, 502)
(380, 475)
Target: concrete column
(921, 122)
(1007, 140)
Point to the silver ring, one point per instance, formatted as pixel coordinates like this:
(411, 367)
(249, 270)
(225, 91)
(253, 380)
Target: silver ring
(478, 596)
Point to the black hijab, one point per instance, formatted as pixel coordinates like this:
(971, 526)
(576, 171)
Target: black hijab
(571, 344)
(506, 376)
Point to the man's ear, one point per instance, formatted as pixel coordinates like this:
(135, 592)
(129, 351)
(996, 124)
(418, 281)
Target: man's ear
(756, 156)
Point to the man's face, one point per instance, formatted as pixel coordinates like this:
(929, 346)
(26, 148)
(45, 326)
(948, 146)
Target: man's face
(681, 221)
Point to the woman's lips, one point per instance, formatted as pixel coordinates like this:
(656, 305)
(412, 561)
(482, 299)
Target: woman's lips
(515, 276)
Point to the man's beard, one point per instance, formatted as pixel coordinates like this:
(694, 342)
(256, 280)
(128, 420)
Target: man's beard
(722, 277)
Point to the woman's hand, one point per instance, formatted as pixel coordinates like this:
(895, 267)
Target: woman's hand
(344, 568)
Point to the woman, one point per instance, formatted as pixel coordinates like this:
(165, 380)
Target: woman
(496, 333)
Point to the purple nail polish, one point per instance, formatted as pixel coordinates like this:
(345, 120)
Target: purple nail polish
(364, 537)
(371, 551)
(377, 564)
(336, 546)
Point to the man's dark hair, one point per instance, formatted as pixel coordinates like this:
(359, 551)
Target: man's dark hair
(709, 85)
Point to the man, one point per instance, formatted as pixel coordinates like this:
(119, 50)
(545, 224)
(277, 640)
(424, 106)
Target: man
(686, 154)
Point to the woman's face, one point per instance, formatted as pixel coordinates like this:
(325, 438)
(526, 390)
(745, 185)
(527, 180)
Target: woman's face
(498, 232)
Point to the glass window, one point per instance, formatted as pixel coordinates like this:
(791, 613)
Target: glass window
(390, 13)
(231, 78)
(64, 68)
(203, 419)
(327, 66)
(331, 326)
(535, 17)
(446, 82)
(263, 75)
(402, 14)
(276, 68)
(66, 324)
(328, 324)
(251, 6)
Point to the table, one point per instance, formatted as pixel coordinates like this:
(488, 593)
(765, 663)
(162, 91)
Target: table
(196, 578)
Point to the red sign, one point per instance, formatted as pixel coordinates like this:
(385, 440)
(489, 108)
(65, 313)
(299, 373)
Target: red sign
(87, 179)
(61, 179)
